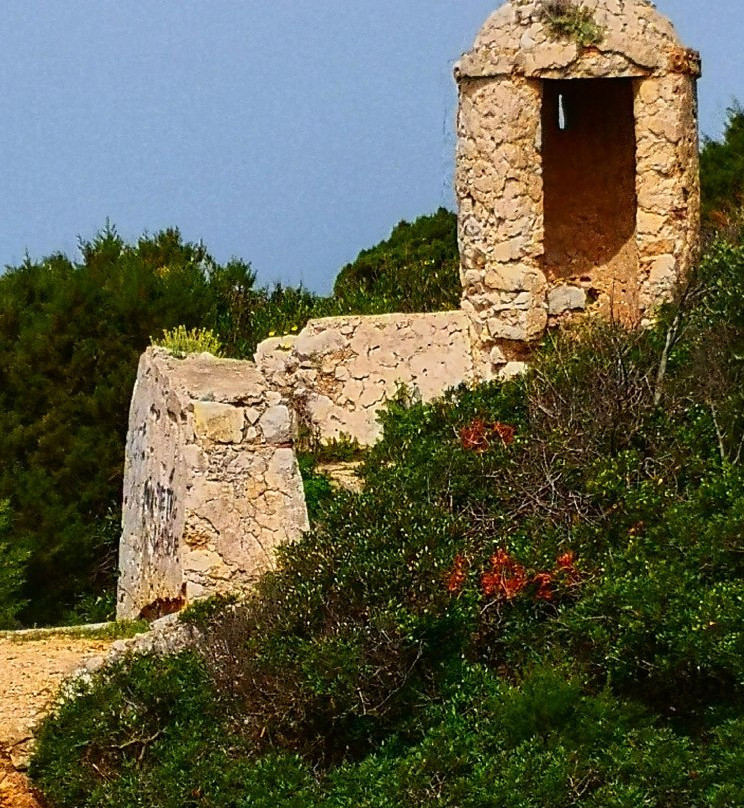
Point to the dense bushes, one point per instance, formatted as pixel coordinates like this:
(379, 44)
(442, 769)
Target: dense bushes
(539, 743)
(416, 269)
(70, 336)
(536, 600)
(722, 174)
(12, 565)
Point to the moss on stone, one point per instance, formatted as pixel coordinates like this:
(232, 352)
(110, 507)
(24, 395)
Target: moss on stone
(570, 21)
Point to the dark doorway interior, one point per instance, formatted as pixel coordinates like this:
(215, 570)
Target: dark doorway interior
(589, 169)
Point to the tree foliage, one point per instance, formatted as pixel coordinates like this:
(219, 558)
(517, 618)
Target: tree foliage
(70, 336)
(13, 557)
(536, 599)
(722, 174)
(416, 269)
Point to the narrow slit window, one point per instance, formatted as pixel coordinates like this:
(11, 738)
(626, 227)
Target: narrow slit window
(562, 116)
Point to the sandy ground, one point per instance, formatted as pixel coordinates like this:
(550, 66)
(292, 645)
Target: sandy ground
(31, 671)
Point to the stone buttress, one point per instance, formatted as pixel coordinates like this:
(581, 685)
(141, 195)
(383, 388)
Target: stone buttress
(211, 483)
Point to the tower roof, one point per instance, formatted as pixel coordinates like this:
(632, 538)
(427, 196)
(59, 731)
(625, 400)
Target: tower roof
(577, 39)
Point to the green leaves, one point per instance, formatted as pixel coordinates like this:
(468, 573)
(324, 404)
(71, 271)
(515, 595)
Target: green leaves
(722, 175)
(71, 333)
(181, 342)
(415, 270)
(70, 337)
(387, 662)
(13, 560)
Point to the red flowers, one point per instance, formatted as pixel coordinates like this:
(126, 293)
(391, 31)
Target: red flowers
(507, 578)
(478, 435)
(456, 579)
(566, 561)
(544, 581)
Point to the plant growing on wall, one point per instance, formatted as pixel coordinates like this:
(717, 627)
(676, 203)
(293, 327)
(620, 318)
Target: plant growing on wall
(570, 21)
(181, 341)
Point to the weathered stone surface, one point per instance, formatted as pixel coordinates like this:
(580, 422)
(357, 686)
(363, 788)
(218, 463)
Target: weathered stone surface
(211, 484)
(572, 195)
(552, 205)
(512, 369)
(565, 298)
(340, 371)
(166, 636)
(276, 424)
(218, 423)
(636, 40)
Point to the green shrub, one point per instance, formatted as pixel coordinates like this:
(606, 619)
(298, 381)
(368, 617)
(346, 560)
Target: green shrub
(13, 560)
(202, 612)
(536, 745)
(140, 714)
(92, 608)
(535, 600)
(317, 486)
(722, 176)
(180, 341)
(71, 332)
(415, 270)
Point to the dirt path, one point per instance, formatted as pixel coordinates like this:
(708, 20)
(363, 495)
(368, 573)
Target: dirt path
(32, 667)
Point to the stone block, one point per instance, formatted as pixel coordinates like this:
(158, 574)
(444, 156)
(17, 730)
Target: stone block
(512, 369)
(662, 278)
(511, 328)
(199, 514)
(497, 356)
(515, 278)
(276, 424)
(309, 343)
(565, 298)
(510, 250)
(219, 423)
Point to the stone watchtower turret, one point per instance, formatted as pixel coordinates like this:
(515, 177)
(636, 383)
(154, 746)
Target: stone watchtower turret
(577, 168)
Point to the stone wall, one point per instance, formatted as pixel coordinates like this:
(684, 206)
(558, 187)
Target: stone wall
(211, 483)
(499, 188)
(667, 183)
(340, 371)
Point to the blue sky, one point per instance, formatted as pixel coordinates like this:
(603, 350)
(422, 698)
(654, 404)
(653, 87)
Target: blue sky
(291, 134)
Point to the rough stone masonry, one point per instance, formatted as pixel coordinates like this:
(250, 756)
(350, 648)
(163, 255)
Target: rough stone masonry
(577, 170)
(578, 190)
(211, 482)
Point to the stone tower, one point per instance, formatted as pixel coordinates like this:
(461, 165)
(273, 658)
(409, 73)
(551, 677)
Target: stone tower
(577, 168)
